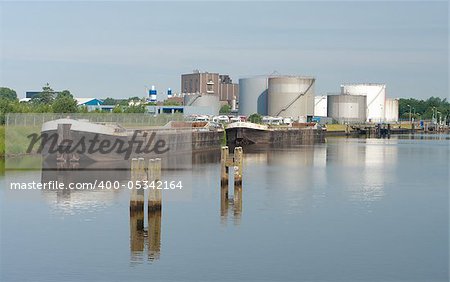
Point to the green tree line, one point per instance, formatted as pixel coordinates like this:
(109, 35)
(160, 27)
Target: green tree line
(424, 109)
(49, 101)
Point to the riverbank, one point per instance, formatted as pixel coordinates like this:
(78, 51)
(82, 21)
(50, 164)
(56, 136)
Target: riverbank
(2, 141)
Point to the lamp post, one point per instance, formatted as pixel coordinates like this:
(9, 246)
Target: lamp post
(410, 120)
(433, 109)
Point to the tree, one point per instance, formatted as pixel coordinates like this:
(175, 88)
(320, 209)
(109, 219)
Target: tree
(5, 107)
(45, 97)
(64, 93)
(135, 109)
(425, 109)
(65, 103)
(109, 101)
(83, 109)
(8, 94)
(117, 109)
(170, 103)
(255, 118)
(225, 109)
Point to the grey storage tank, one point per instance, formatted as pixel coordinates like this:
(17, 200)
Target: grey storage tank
(291, 96)
(253, 95)
(347, 108)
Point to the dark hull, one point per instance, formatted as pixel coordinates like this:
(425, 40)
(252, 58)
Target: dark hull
(247, 136)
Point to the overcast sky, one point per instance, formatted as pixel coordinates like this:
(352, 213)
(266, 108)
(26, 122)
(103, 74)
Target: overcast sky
(115, 49)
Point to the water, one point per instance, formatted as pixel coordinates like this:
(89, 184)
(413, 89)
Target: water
(348, 210)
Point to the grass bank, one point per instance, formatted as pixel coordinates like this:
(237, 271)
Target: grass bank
(2, 141)
(335, 127)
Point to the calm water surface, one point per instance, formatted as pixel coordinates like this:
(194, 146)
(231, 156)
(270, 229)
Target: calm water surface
(347, 210)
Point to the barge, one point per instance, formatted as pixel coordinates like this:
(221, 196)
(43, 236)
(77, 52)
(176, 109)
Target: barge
(247, 133)
(71, 140)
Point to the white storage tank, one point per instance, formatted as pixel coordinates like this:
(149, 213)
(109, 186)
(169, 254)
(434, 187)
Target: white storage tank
(391, 110)
(291, 96)
(347, 108)
(320, 106)
(203, 100)
(253, 95)
(376, 96)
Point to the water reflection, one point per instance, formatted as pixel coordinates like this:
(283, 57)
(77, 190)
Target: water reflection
(310, 173)
(137, 234)
(69, 201)
(233, 204)
(141, 236)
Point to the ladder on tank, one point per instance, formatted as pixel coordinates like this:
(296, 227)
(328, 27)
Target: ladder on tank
(296, 98)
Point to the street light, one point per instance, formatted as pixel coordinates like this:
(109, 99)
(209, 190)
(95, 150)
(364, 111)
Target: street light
(410, 120)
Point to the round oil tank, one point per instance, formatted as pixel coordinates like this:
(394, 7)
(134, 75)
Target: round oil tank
(376, 96)
(253, 95)
(203, 100)
(320, 106)
(291, 96)
(347, 108)
(391, 110)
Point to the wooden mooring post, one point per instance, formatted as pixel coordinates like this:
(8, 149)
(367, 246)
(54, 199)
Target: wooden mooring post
(154, 175)
(234, 161)
(137, 194)
(145, 176)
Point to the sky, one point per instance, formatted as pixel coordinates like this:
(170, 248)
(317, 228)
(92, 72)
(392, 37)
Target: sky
(117, 49)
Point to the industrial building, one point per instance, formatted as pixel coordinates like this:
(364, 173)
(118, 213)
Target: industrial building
(346, 108)
(206, 83)
(376, 96)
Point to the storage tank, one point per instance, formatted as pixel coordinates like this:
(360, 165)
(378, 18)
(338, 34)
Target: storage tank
(152, 93)
(391, 110)
(376, 96)
(291, 96)
(347, 108)
(253, 95)
(320, 106)
(203, 100)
